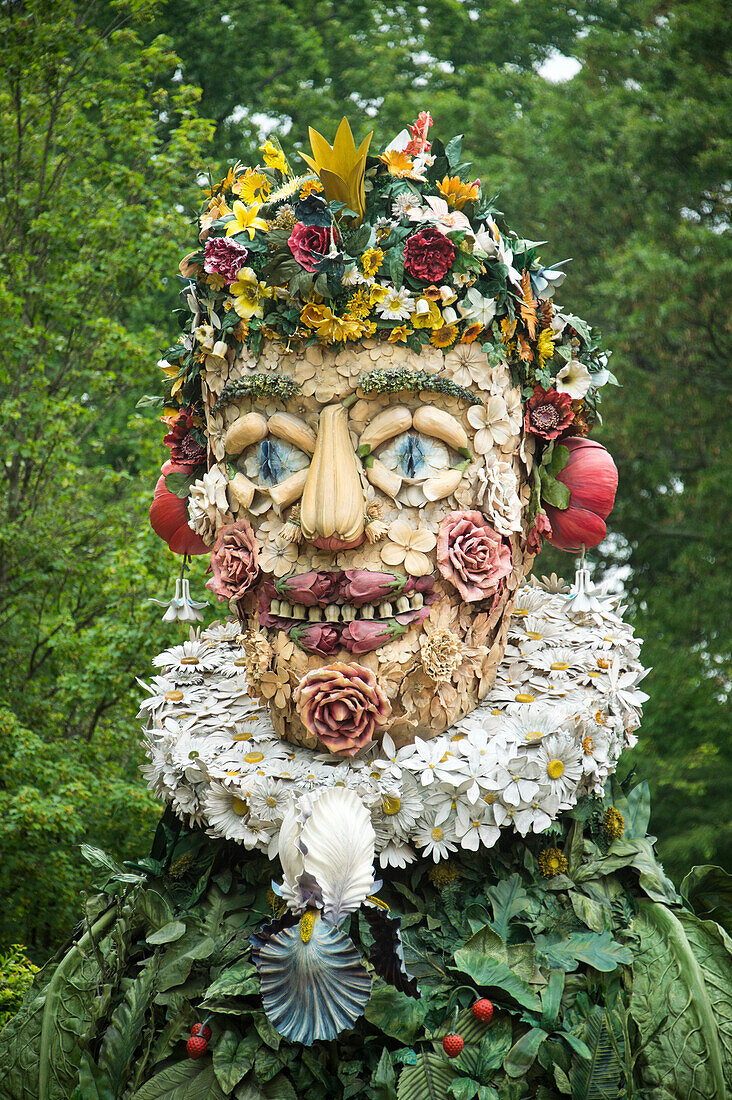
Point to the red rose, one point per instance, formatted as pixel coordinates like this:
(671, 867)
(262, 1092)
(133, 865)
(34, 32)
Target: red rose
(548, 414)
(428, 255)
(471, 555)
(308, 244)
(342, 705)
(234, 561)
(310, 589)
(365, 586)
(542, 528)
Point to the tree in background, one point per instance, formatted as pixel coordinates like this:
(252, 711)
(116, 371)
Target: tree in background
(97, 146)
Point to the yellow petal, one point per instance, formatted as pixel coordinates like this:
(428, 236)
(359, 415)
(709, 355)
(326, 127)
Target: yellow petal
(418, 565)
(422, 540)
(401, 532)
(391, 554)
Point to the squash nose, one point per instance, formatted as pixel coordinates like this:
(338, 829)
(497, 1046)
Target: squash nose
(332, 508)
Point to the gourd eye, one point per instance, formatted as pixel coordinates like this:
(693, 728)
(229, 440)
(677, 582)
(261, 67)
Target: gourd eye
(415, 456)
(271, 461)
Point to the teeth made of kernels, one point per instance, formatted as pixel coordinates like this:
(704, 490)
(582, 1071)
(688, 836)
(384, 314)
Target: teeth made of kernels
(348, 613)
(417, 600)
(274, 607)
(366, 612)
(331, 613)
(386, 610)
(299, 611)
(286, 609)
(315, 614)
(402, 603)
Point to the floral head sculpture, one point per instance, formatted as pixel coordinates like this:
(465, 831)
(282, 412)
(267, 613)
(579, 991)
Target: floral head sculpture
(371, 403)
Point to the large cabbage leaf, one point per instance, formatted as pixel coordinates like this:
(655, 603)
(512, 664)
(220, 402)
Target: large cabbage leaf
(682, 1003)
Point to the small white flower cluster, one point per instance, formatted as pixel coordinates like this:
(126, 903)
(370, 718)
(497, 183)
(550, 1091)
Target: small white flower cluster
(565, 704)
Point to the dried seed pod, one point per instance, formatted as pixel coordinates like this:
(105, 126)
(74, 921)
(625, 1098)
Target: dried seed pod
(385, 425)
(441, 425)
(250, 428)
(293, 430)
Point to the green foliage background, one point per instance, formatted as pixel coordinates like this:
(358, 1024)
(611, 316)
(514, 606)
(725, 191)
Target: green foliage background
(104, 121)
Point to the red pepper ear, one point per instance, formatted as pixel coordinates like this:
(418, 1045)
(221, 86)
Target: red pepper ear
(590, 475)
(169, 520)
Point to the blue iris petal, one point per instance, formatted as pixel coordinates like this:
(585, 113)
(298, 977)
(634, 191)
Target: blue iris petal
(411, 455)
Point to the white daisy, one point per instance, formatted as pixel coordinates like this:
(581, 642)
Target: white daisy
(432, 762)
(398, 305)
(560, 761)
(480, 829)
(397, 810)
(435, 840)
(188, 661)
(270, 799)
(537, 815)
(396, 854)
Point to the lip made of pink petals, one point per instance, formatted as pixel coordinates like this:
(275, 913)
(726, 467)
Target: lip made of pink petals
(339, 593)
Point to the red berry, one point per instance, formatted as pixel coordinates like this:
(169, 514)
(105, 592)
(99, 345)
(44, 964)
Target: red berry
(196, 1046)
(452, 1045)
(483, 1010)
(203, 1030)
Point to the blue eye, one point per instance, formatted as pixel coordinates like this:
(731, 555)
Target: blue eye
(272, 461)
(415, 456)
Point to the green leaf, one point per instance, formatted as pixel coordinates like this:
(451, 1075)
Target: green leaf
(233, 1057)
(383, 1079)
(169, 933)
(591, 912)
(94, 1083)
(639, 810)
(708, 890)
(122, 1036)
(464, 1088)
(453, 150)
(491, 974)
(553, 492)
(682, 1003)
(428, 1079)
(551, 999)
(183, 1081)
(396, 267)
(522, 1054)
(179, 484)
(394, 1013)
(508, 899)
(238, 980)
(598, 950)
(599, 1076)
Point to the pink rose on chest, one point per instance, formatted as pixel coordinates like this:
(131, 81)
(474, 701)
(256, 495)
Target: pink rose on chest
(471, 555)
(308, 244)
(343, 705)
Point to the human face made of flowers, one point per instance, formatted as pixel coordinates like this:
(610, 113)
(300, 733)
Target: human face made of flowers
(361, 516)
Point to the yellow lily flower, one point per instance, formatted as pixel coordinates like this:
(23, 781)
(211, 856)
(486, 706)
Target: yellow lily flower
(341, 166)
(246, 220)
(247, 293)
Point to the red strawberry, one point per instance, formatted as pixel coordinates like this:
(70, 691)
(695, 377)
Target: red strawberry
(452, 1045)
(203, 1030)
(196, 1046)
(483, 1010)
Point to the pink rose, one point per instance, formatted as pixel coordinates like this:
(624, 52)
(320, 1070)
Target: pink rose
(471, 555)
(364, 586)
(310, 589)
(343, 706)
(321, 638)
(234, 561)
(224, 257)
(308, 244)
